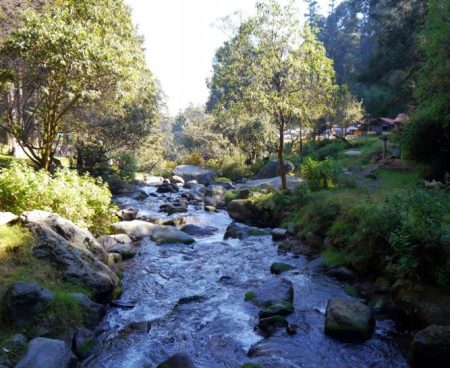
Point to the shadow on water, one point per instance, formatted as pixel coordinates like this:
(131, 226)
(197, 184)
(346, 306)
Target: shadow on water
(190, 298)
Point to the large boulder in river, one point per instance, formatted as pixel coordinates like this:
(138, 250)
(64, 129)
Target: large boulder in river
(272, 169)
(191, 172)
(135, 229)
(214, 196)
(48, 353)
(179, 360)
(196, 230)
(127, 214)
(275, 298)
(75, 236)
(170, 235)
(24, 301)
(240, 231)
(349, 320)
(431, 347)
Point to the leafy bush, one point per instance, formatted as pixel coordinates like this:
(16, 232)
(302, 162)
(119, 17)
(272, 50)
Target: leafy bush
(320, 174)
(127, 166)
(81, 199)
(193, 158)
(231, 166)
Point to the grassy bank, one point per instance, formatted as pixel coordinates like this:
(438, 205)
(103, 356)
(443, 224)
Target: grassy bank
(376, 217)
(61, 317)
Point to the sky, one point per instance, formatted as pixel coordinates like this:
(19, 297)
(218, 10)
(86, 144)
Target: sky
(180, 40)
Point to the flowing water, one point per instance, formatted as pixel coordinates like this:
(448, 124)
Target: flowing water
(190, 298)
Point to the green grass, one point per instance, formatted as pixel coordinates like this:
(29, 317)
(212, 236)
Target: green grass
(60, 318)
(333, 257)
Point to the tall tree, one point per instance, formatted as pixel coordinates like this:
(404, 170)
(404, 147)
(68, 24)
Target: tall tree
(427, 136)
(62, 58)
(277, 68)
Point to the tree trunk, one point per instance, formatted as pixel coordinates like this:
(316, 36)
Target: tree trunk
(301, 144)
(281, 158)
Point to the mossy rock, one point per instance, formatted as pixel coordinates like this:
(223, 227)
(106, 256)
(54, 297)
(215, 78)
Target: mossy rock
(249, 295)
(270, 324)
(284, 247)
(278, 267)
(276, 308)
(349, 320)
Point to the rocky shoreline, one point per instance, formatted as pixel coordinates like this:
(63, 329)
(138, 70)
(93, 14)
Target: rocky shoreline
(94, 263)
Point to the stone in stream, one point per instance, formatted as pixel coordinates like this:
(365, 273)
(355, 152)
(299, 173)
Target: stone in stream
(175, 207)
(349, 320)
(214, 196)
(179, 360)
(109, 241)
(274, 297)
(240, 231)
(24, 301)
(170, 235)
(142, 195)
(167, 188)
(196, 230)
(189, 184)
(175, 179)
(278, 268)
(279, 234)
(431, 347)
(48, 353)
(135, 229)
(126, 251)
(191, 172)
(270, 324)
(127, 214)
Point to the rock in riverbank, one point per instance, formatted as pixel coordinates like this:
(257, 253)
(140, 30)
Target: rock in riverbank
(431, 347)
(349, 320)
(24, 301)
(48, 353)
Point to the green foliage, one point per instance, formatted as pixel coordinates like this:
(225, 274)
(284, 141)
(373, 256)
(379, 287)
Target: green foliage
(249, 295)
(81, 199)
(404, 262)
(232, 166)
(427, 136)
(320, 174)
(290, 79)
(64, 58)
(126, 166)
(13, 237)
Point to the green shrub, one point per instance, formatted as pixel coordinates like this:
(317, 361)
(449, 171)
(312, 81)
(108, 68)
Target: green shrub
(127, 166)
(319, 174)
(81, 199)
(231, 166)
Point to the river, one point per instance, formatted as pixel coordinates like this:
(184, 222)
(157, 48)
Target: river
(190, 298)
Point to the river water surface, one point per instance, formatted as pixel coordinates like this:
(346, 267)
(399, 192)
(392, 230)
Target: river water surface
(190, 298)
